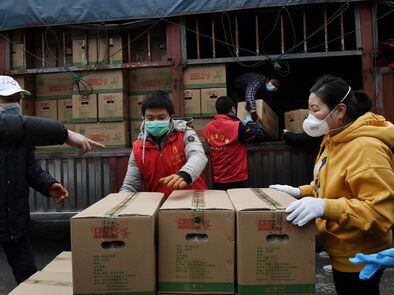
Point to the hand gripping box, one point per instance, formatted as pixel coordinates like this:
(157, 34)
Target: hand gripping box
(113, 245)
(273, 255)
(196, 243)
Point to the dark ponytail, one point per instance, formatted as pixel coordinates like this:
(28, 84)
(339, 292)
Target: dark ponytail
(331, 90)
(357, 104)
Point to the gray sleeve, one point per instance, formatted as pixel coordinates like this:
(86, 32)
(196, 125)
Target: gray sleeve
(195, 155)
(133, 178)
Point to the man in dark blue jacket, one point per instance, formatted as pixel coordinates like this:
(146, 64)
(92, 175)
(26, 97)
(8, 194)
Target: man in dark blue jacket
(19, 170)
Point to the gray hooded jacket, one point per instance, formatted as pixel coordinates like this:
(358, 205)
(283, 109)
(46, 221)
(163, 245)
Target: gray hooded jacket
(195, 155)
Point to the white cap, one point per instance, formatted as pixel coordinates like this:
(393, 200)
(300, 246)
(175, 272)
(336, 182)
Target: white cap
(8, 86)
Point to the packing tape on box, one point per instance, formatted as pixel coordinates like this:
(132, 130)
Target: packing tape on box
(110, 227)
(198, 205)
(113, 212)
(267, 199)
(48, 283)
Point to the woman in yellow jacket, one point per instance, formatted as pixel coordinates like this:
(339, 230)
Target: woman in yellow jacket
(352, 194)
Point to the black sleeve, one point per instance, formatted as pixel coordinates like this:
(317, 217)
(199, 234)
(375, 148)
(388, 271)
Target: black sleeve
(186, 177)
(251, 132)
(37, 178)
(301, 139)
(31, 131)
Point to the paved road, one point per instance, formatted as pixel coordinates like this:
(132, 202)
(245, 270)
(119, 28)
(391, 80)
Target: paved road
(51, 239)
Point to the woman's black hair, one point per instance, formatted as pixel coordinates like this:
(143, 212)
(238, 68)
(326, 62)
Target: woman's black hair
(157, 99)
(331, 90)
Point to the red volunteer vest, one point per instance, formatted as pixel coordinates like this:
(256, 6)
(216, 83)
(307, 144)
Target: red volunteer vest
(228, 155)
(159, 164)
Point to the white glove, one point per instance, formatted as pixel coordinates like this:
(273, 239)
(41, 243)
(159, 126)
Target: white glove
(291, 190)
(304, 210)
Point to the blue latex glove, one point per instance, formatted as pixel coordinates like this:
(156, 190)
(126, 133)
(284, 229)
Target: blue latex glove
(247, 120)
(373, 262)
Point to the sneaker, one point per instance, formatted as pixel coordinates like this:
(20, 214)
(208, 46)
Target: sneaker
(324, 254)
(327, 268)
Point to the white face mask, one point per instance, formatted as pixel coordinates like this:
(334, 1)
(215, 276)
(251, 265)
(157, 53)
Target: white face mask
(315, 127)
(270, 87)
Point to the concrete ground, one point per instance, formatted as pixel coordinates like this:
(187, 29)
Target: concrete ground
(51, 239)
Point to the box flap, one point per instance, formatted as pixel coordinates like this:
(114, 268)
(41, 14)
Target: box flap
(259, 199)
(123, 204)
(195, 199)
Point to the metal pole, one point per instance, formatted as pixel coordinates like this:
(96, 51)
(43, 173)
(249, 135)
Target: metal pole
(198, 37)
(257, 35)
(325, 30)
(236, 37)
(128, 48)
(342, 33)
(282, 34)
(149, 47)
(213, 36)
(305, 30)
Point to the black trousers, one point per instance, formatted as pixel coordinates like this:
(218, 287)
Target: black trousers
(349, 283)
(229, 185)
(20, 257)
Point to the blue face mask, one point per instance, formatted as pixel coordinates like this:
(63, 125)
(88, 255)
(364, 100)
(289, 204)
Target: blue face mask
(157, 128)
(10, 108)
(270, 87)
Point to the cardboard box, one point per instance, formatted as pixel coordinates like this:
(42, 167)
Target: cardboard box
(65, 110)
(113, 245)
(199, 126)
(111, 134)
(54, 86)
(46, 109)
(273, 255)
(148, 79)
(18, 58)
(113, 107)
(207, 76)
(97, 51)
(117, 51)
(79, 53)
(270, 121)
(192, 98)
(46, 283)
(196, 243)
(85, 108)
(208, 100)
(135, 106)
(294, 120)
(28, 106)
(26, 82)
(135, 129)
(61, 263)
(107, 81)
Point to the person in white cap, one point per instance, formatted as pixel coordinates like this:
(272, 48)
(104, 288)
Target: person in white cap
(19, 170)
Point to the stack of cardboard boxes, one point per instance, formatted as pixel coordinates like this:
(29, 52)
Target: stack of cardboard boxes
(203, 85)
(104, 113)
(97, 49)
(196, 242)
(143, 81)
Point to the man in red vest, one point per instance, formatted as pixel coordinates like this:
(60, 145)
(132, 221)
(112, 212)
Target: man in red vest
(227, 137)
(167, 155)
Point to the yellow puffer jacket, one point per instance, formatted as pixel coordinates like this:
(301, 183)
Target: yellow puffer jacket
(354, 174)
